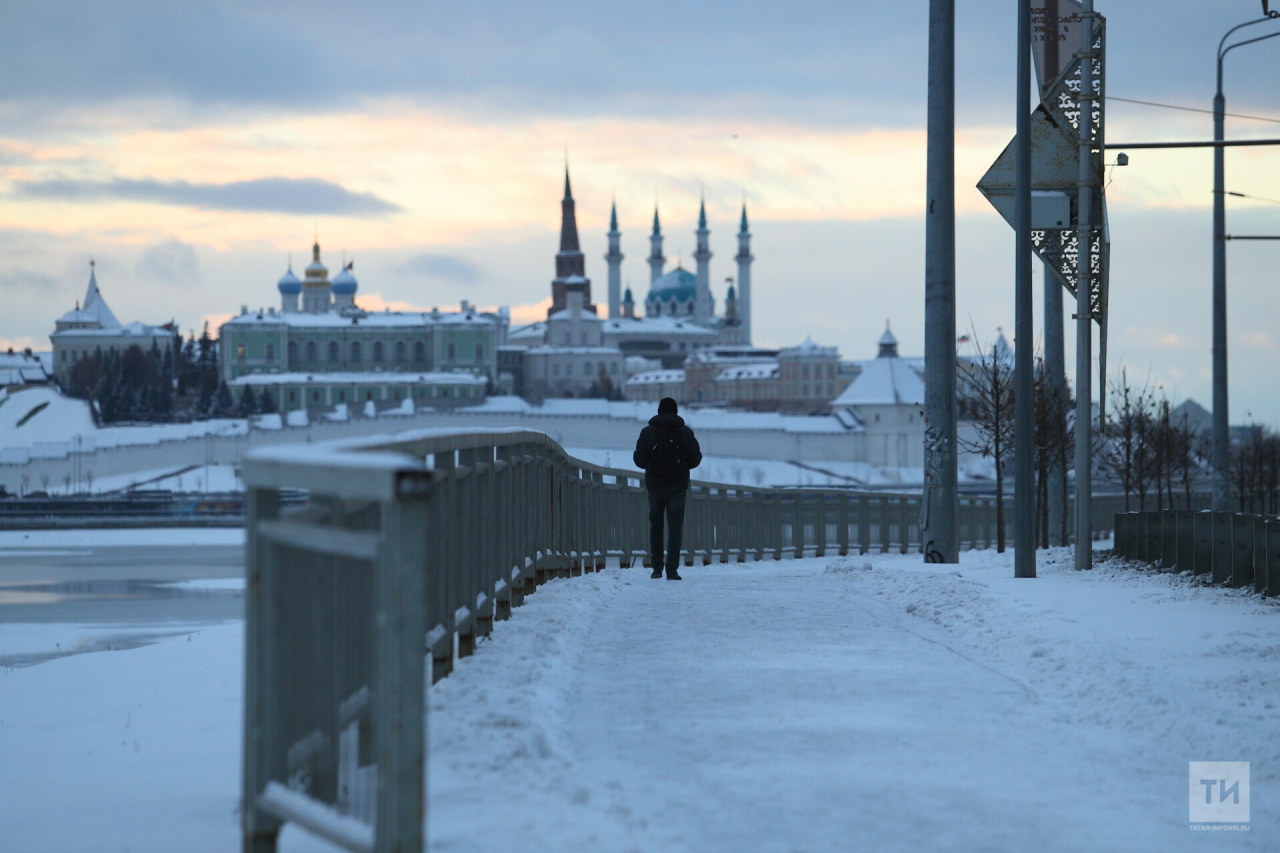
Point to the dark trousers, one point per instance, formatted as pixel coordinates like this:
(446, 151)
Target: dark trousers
(669, 500)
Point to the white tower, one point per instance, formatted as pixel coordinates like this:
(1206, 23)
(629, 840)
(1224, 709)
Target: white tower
(614, 260)
(703, 305)
(656, 260)
(744, 260)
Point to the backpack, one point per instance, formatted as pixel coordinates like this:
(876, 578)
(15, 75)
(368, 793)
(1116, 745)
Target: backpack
(666, 457)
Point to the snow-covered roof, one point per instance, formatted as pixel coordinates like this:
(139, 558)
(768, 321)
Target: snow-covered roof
(135, 330)
(884, 382)
(748, 371)
(809, 348)
(93, 309)
(656, 377)
(567, 314)
(360, 378)
(656, 326)
(552, 350)
(331, 319)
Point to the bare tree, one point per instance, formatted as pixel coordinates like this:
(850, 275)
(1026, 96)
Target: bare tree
(1122, 447)
(986, 399)
(1255, 472)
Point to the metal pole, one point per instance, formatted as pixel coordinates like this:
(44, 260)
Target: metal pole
(939, 530)
(1084, 307)
(1024, 540)
(1221, 428)
(1055, 365)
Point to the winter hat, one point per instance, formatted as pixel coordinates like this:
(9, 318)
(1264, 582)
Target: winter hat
(667, 406)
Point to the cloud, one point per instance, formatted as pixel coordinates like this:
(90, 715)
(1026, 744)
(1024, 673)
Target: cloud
(310, 196)
(170, 262)
(447, 267)
(26, 280)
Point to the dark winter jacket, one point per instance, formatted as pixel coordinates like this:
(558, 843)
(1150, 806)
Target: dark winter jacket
(649, 436)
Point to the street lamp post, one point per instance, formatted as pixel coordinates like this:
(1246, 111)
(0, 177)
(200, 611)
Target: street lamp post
(1221, 428)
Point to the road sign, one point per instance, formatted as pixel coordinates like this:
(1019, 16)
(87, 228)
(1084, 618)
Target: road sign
(1055, 152)
(1056, 27)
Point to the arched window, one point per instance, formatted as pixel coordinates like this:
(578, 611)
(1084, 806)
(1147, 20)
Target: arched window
(355, 352)
(399, 352)
(377, 351)
(311, 352)
(333, 352)
(240, 352)
(293, 352)
(419, 351)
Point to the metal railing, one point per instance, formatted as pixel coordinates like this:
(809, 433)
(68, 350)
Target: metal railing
(412, 547)
(1235, 548)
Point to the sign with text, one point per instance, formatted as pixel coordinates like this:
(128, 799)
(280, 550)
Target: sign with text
(1055, 38)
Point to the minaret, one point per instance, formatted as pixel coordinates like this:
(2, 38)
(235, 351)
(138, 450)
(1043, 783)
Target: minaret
(703, 305)
(628, 305)
(570, 264)
(614, 260)
(744, 259)
(656, 260)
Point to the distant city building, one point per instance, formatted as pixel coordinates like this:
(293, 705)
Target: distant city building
(327, 332)
(794, 380)
(24, 369)
(91, 328)
(887, 401)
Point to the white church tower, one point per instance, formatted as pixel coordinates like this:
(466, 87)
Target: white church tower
(744, 259)
(614, 260)
(656, 259)
(703, 306)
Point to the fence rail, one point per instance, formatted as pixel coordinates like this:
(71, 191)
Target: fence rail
(413, 547)
(1235, 548)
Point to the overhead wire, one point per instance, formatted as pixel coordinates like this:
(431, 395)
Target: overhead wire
(1189, 109)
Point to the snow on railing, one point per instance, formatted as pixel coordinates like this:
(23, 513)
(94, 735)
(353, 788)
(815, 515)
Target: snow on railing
(413, 547)
(1235, 548)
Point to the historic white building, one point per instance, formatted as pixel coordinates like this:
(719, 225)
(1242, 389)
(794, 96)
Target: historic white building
(91, 327)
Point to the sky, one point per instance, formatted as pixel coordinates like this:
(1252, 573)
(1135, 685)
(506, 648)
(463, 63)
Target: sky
(192, 150)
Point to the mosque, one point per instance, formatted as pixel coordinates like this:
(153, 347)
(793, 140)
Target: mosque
(575, 350)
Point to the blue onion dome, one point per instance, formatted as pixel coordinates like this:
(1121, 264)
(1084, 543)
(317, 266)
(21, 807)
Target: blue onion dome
(344, 283)
(289, 283)
(679, 284)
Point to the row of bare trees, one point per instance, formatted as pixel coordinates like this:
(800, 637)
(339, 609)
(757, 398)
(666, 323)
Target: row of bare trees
(1151, 450)
(1255, 472)
(987, 402)
(1155, 456)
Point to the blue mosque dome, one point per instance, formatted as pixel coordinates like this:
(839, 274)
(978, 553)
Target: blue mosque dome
(344, 283)
(289, 283)
(679, 284)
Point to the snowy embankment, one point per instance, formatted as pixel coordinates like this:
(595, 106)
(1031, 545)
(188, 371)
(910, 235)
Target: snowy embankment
(811, 705)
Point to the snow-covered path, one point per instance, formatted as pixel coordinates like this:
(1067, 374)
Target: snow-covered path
(857, 704)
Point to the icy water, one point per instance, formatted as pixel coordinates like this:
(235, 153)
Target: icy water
(56, 602)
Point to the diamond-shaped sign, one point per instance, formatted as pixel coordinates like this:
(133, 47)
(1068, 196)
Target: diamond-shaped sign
(1055, 161)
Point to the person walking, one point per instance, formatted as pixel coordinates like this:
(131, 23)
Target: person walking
(666, 450)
